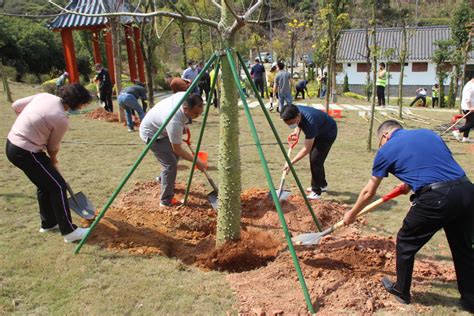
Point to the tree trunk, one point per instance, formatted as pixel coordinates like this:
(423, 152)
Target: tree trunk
(6, 87)
(334, 73)
(201, 42)
(388, 83)
(456, 84)
(441, 86)
(368, 81)
(374, 79)
(293, 47)
(183, 42)
(114, 23)
(403, 57)
(466, 57)
(228, 216)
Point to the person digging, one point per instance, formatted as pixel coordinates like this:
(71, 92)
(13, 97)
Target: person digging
(168, 147)
(443, 197)
(320, 132)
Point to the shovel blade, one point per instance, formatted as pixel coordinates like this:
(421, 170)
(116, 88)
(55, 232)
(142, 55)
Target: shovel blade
(84, 208)
(307, 239)
(283, 195)
(212, 198)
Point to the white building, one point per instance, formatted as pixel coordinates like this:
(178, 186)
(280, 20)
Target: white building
(419, 70)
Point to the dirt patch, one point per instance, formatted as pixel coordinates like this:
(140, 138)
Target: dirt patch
(102, 115)
(342, 273)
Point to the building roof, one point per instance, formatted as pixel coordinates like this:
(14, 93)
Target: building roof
(421, 42)
(70, 20)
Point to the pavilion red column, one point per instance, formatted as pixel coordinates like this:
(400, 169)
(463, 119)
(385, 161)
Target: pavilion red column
(138, 49)
(70, 55)
(130, 52)
(110, 55)
(96, 47)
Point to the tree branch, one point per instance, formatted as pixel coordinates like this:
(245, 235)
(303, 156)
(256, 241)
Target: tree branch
(267, 21)
(174, 15)
(252, 10)
(46, 16)
(231, 9)
(165, 28)
(216, 4)
(176, 8)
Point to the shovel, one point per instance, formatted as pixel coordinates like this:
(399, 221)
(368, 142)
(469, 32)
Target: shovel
(309, 239)
(284, 194)
(211, 197)
(455, 123)
(80, 204)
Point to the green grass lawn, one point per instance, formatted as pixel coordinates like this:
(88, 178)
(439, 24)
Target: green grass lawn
(40, 275)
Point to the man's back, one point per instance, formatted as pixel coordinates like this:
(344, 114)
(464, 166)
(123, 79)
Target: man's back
(282, 81)
(257, 71)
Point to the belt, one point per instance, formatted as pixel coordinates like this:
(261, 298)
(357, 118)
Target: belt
(444, 184)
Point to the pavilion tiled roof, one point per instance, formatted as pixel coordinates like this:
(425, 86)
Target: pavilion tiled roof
(69, 20)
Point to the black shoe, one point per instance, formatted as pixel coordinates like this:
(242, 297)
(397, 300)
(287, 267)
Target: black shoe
(467, 306)
(390, 287)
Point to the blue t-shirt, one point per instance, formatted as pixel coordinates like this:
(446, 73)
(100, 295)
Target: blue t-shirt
(416, 157)
(257, 71)
(301, 85)
(316, 124)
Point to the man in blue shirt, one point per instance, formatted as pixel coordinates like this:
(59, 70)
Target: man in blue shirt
(189, 74)
(443, 198)
(258, 73)
(301, 87)
(320, 132)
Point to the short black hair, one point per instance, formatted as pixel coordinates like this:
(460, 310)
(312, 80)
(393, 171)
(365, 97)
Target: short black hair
(281, 65)
(289, 112)
(74, 95)
(138, 83)
(388, 126)
(191, 62)
(382, 64)
(193, 100)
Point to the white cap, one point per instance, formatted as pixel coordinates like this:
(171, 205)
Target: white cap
(274, 64)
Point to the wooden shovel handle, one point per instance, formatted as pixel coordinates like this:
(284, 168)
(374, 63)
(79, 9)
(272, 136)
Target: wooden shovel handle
(398, 190)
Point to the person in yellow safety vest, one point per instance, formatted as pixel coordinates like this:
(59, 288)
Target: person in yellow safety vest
(381, 83)
(212, 74)
(434, 95)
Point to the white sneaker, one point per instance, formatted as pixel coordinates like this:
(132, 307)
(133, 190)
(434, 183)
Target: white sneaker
(44, 230)
(131, 130)
(457, 135)
(313, 196)
(76, 235)
(467, 140)
(323, 189)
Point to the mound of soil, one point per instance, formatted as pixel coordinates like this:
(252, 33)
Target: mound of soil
(102, 115)
(342, 273)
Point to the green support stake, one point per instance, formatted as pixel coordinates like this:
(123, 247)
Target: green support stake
(282, 147)
(270, 183)
(201, 133)
(142, 155)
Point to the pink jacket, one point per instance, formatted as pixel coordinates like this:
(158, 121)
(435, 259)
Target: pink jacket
(41, 123)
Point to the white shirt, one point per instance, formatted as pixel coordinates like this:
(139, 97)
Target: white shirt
(158, 114)
(468, 95)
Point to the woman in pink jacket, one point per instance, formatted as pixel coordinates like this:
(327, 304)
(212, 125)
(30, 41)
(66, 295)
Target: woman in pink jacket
(39, 127)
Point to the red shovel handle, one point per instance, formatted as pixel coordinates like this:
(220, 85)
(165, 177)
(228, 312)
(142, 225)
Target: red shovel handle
(293, 140)
(398, 190)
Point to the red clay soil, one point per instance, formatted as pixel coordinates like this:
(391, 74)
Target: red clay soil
(342, 273)
(102, 115)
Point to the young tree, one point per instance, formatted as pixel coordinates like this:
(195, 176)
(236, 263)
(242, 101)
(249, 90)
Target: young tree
(441, 57)
(403, 53)
(374, 72)
(460, 27)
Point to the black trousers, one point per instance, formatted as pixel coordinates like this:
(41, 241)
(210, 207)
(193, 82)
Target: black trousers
(451, 208)
(422, 97)
(51, 187)
(259, 85)
(317, 157)
(381, 95)
(106, 97)
(468, 125)
(298, 91)
(434, 101)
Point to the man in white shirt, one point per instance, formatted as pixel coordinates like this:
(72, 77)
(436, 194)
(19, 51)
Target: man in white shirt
(420, 94)
(467, 106)
(168, 147)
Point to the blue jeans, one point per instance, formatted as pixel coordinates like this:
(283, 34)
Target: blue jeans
(129, 103)
(282, 97)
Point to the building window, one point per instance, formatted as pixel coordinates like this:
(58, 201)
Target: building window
(363, 67)
(349, 64)
(419, 67)
(396, 67)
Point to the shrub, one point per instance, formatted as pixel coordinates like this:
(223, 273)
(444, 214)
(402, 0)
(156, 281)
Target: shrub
(354, 95)
(10, 72)
(29, 78)
(345, 86)
(45, 77)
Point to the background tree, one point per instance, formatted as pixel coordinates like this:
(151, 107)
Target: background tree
(404, 17)
(374, 50)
